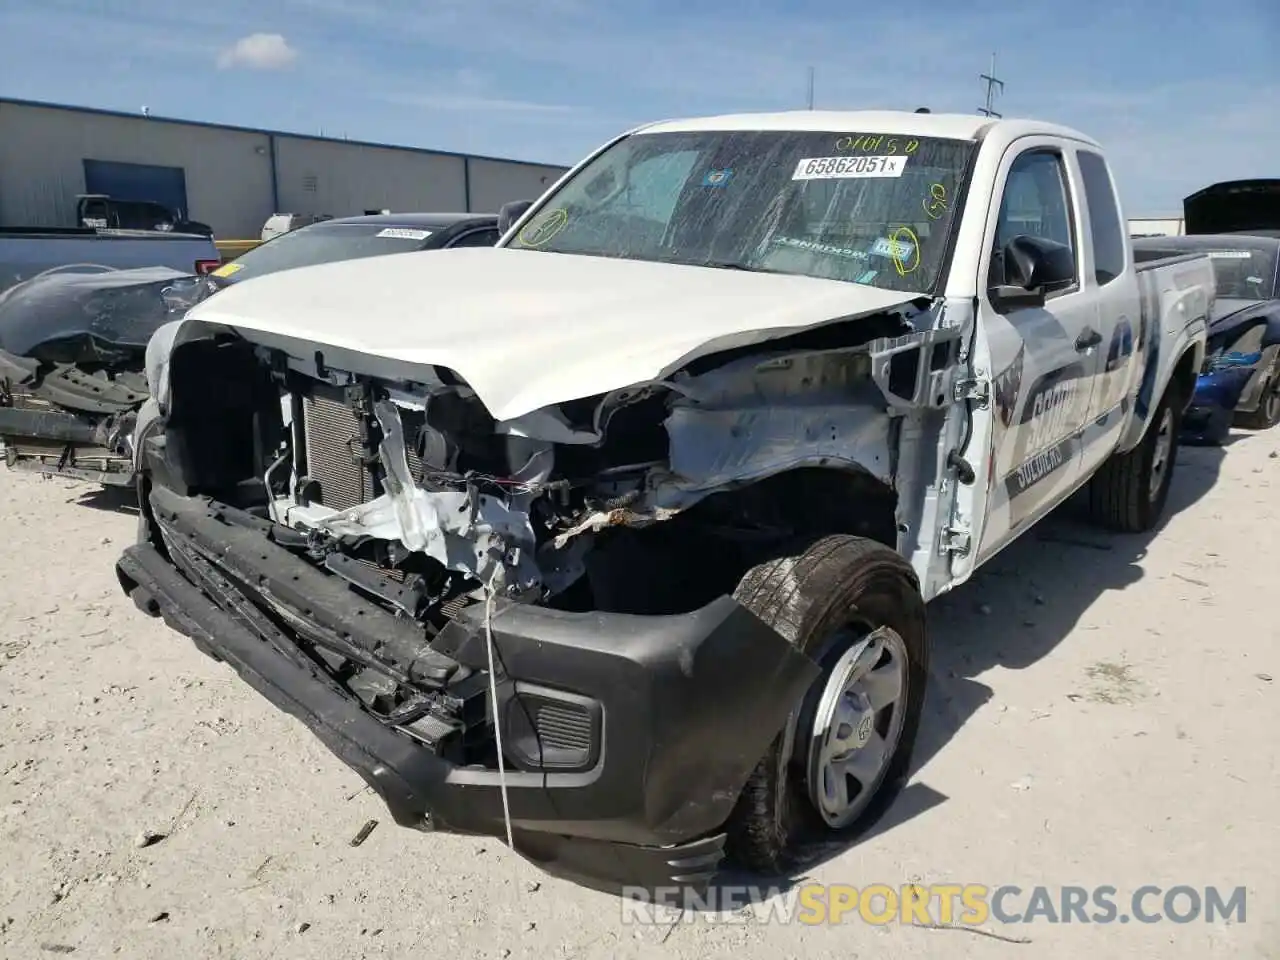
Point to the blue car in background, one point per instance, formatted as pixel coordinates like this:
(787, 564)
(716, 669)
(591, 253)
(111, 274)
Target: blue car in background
(1239, 384)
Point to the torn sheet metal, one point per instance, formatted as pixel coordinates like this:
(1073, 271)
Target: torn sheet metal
(714, 449)
(604, 519)
(466, 530)
(484, 538)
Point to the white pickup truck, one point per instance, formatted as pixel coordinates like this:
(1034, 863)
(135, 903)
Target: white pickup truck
(617, 539)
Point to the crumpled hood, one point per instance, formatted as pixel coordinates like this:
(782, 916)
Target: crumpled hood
(525, 329)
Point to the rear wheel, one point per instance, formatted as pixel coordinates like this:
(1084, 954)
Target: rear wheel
(852, 605)
(1268, 413)
(1129, 491)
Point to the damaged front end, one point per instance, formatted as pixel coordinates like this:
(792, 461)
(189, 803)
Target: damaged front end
(359, 548)
(71, 367)
(60, 420)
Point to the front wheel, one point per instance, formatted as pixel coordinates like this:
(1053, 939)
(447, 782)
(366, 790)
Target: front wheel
(1129, 491)
(853, 606)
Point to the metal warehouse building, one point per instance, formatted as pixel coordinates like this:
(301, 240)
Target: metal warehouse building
(232, 178)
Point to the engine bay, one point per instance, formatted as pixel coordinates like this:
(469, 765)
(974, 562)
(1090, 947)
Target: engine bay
(649, 500)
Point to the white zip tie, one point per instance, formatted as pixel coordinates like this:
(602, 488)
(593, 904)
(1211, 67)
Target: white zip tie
(493, 696)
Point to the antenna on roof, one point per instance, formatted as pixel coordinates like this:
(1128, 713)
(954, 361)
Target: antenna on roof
(811, 88)
(994, 86)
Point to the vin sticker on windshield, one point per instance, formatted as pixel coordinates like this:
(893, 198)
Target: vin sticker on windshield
(845, 168)
(894, 249)
(404, 233)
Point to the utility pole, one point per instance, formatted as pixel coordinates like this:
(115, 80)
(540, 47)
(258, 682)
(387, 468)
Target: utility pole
(994, 86)
(811, 88)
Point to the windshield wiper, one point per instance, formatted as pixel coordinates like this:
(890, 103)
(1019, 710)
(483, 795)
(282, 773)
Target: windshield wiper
(726, 265)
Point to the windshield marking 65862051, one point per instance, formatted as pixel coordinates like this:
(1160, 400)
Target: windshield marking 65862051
(840, 168)
(879, 213)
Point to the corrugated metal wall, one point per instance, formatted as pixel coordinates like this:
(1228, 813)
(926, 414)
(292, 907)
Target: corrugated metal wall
(229, 172)
(494, 183)
(42, 154)
(342, 180)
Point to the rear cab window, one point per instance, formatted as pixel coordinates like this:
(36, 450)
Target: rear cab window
(1105, 229)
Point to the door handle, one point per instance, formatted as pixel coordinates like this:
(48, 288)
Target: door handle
(1088, 340)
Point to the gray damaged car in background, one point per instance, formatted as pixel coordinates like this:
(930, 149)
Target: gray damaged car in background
(72, 343)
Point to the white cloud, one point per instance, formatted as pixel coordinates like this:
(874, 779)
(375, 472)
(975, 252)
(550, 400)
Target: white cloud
(258, 51)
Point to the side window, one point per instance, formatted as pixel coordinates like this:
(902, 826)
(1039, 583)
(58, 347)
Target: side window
(477, 238)
(1105, 229)
(1037, 203)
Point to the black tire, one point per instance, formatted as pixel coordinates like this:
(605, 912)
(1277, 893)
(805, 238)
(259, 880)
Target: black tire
(808, 597)
(1120, 494)
(1268, 413)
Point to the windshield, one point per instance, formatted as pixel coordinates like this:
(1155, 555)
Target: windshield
(323, 243)
(857, 206)
(1243, 270)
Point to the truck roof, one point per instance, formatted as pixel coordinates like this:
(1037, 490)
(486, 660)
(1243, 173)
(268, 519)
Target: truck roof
(955, 126)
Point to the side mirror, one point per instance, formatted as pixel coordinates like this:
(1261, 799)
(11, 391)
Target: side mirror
(510, 213)
(1033, 266)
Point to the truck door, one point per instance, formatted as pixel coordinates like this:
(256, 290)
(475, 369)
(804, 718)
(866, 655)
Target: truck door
(1109, 274)
(1040, 376)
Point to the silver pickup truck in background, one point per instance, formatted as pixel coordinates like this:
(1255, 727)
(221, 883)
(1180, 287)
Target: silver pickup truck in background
(616, 539)
(27, 252)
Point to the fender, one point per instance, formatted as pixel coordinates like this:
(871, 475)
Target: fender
(1157, 376)
(1272, 336)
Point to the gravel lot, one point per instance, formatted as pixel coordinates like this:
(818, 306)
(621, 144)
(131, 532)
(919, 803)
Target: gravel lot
(1103, 711)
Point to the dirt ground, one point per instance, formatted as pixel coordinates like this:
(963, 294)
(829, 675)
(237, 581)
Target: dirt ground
(1102, 711)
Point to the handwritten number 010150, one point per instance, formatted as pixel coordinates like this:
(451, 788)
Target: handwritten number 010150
(935, 205)
(868, 142)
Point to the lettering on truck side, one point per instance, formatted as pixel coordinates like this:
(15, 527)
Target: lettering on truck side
(1053, 415)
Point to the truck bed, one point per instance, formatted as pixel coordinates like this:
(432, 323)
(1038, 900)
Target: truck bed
(1176, 294)
(28, 251)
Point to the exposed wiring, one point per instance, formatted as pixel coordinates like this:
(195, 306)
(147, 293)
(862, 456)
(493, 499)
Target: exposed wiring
(505, 485)
(493, 697)
(266, 482)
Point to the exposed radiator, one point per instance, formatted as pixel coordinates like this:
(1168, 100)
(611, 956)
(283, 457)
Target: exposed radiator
(332, 433)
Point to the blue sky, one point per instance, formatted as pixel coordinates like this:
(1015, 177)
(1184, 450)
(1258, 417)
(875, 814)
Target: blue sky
(1181, 98)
